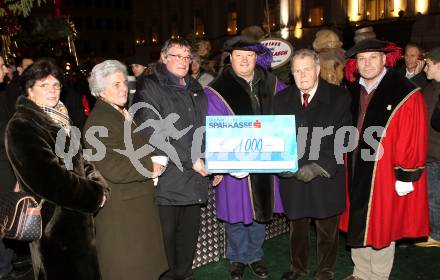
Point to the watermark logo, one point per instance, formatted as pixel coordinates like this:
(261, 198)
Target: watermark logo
(163, 136)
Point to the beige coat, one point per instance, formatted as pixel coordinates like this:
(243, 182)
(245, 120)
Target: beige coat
(128, 231)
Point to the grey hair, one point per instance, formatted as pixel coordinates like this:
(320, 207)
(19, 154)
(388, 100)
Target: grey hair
(301, 53)
(97, 80)
(174, 42)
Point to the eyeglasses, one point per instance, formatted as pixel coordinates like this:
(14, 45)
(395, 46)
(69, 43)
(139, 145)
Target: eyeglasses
(47, 87)
(184, 58)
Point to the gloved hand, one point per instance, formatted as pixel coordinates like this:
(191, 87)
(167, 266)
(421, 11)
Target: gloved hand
(287, 174)
(310, 171)
(404, 188)
(239, 175)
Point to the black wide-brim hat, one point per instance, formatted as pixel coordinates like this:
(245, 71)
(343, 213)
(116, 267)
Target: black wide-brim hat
(367, 45)
(243, 43)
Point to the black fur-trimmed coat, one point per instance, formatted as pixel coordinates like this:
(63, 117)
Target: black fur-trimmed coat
(67, 247)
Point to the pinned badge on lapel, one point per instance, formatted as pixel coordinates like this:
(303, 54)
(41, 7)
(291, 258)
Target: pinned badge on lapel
(389, 107)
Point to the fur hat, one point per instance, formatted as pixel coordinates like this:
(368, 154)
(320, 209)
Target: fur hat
(203, 48)
(326, 39)
(364, 33)
(253, 31)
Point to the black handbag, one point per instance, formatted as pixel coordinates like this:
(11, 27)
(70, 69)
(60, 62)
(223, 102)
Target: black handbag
(20, 216)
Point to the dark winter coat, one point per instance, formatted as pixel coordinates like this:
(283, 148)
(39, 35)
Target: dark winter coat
(435, 119)
(419, 80)
(159, 90)
(128, 230)
(67, 248)
(431, 93)
(6, 174)
(330, 107)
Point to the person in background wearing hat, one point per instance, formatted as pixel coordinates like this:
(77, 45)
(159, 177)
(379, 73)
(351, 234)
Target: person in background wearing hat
(198, 73)
(331, 56)
(364, 33)
(414, 64)
(139, 65)
(387, 180)
(432, 94)
(245, 203)
(316, 193)
(183, 187)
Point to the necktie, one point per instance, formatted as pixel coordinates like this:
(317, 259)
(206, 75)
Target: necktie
(306, 100)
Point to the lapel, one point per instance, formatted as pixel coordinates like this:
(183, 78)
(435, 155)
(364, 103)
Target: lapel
(113, 118)
(320, 100)
(322, 96)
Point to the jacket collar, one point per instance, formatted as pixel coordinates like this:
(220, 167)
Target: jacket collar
(164, 77)
(258, 74)
(26, 108)
(322, 93)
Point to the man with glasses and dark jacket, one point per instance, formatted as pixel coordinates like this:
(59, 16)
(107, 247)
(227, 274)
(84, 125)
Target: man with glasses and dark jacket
(176, 107)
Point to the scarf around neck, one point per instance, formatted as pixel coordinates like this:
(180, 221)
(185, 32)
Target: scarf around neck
(58, 114)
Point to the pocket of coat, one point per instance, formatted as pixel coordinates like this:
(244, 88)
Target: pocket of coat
(133, 192)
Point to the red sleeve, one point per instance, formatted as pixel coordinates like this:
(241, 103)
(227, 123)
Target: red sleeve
(411, 149)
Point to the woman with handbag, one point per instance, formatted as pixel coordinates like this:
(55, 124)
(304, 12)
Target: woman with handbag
(72, 192)
(128, 230)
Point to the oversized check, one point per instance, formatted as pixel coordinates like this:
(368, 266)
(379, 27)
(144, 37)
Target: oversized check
(254, 144)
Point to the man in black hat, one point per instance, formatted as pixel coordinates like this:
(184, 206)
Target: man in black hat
(245, 203)
(387, 184)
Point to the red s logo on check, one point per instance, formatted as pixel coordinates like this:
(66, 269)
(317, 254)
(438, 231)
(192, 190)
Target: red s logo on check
(256, 124)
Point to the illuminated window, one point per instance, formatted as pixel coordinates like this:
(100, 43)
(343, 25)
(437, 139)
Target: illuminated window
(375, 9)
(395, 6)
(421, 6)
(174, 27)
(272, 20)
(316, 16)
(199, 27)
(154, 32)
(232, 22)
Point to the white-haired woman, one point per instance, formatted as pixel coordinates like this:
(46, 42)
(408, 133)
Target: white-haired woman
(72, 193)
(128, 231)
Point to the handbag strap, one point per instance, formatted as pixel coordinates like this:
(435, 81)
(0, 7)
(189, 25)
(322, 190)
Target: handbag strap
(17, 189)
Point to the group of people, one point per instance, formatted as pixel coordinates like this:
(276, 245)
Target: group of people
(135, 213)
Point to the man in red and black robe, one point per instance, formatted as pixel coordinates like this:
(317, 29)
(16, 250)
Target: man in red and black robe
(387, 180)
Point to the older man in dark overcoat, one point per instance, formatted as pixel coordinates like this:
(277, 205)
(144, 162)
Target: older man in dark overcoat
(316, 193)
